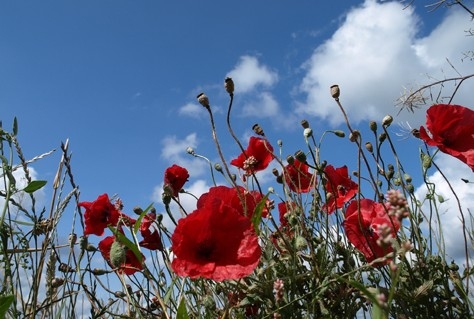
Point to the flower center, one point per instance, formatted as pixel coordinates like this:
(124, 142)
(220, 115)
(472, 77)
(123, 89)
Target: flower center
(250, 163)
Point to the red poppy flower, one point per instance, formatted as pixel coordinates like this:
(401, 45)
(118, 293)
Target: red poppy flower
(216, 242)
(231, 196)
(151, 239)
(452, 131)
(175, 178)
(119, 256)
(283, 208)
(99, 214)
(256, 158)
(340, 186)
(369, 228)
(297, 177)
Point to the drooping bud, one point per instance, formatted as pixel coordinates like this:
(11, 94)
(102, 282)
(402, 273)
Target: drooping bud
(339, 133)
(258, 130)
(229, 85)
(335, 91)
(203, 99)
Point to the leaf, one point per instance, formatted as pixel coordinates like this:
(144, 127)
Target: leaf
(5, 303)
(182, 312)
(33, 186)
(257, 214)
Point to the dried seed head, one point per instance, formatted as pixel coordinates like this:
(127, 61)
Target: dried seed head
(373, 126)
(190, 150)
(354, 136)
(382, 137)
(203, 99)
(229, 85)
(304, 123)
(335, 91)
(290, 159)
(300, 156)
(307, 132)
(369, 147)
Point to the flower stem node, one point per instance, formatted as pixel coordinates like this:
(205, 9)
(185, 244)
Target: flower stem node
(229, 85)
(335, 91)
(203, 100)
(308, 132)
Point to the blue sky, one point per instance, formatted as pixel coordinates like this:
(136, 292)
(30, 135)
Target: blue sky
(120, 79)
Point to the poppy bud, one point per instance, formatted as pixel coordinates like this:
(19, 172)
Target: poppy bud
(407, 178)
(382, 137)
(369, 147)
(137, 210)
(65, 268)
(307, 132)
(304, 123)
(415, 132)
(57, 282)
(117, 254)
(387, 120)
(99, 271)
(203, 99)
(300, 156)
(119, 294)
(410, 188)
(229, 85)
(218, 167)
(373, 126)
(83, 242)
(290, 159)
(354, 136)
(335, 91)
(339, 133)
(258, 130)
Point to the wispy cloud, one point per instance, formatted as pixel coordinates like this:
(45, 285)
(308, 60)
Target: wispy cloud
(250, 74)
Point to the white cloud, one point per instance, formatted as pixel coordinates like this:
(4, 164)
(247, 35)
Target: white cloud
(372, 55)
(249, 74)
(450, 216)
(263, 106)
(192, 110)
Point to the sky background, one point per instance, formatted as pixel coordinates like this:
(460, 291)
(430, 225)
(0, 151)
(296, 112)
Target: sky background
(120, 79)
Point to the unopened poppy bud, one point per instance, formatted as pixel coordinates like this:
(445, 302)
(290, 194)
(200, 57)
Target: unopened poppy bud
(339, 133)
(389, 174)
(65, 268)
(120, 294)
(426, 160)
(275, 172)
(99, 271)
(137, 210)
(373, 126)
(166, 198)
(410, 188)
(387, 120)
(233, 177)
(407, 178)
(304, 123)
(369, 147)
(382, 137)
(300, 156)
(57, 282)
(354, 136)
(390, 168)
(117, 254)
(190, 150)
(203, 99)
(229, 85)
(335, 91)
(290, 159)
(258, 130)
(83, 242)
(218, 167)
(307, 132)
(415, 132)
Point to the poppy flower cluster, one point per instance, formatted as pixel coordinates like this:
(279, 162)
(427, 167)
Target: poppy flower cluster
(175, 178)
(216, 241)
(451, 129)
(371, 229)
(256, 158)
(339, 187)
(101, 214)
